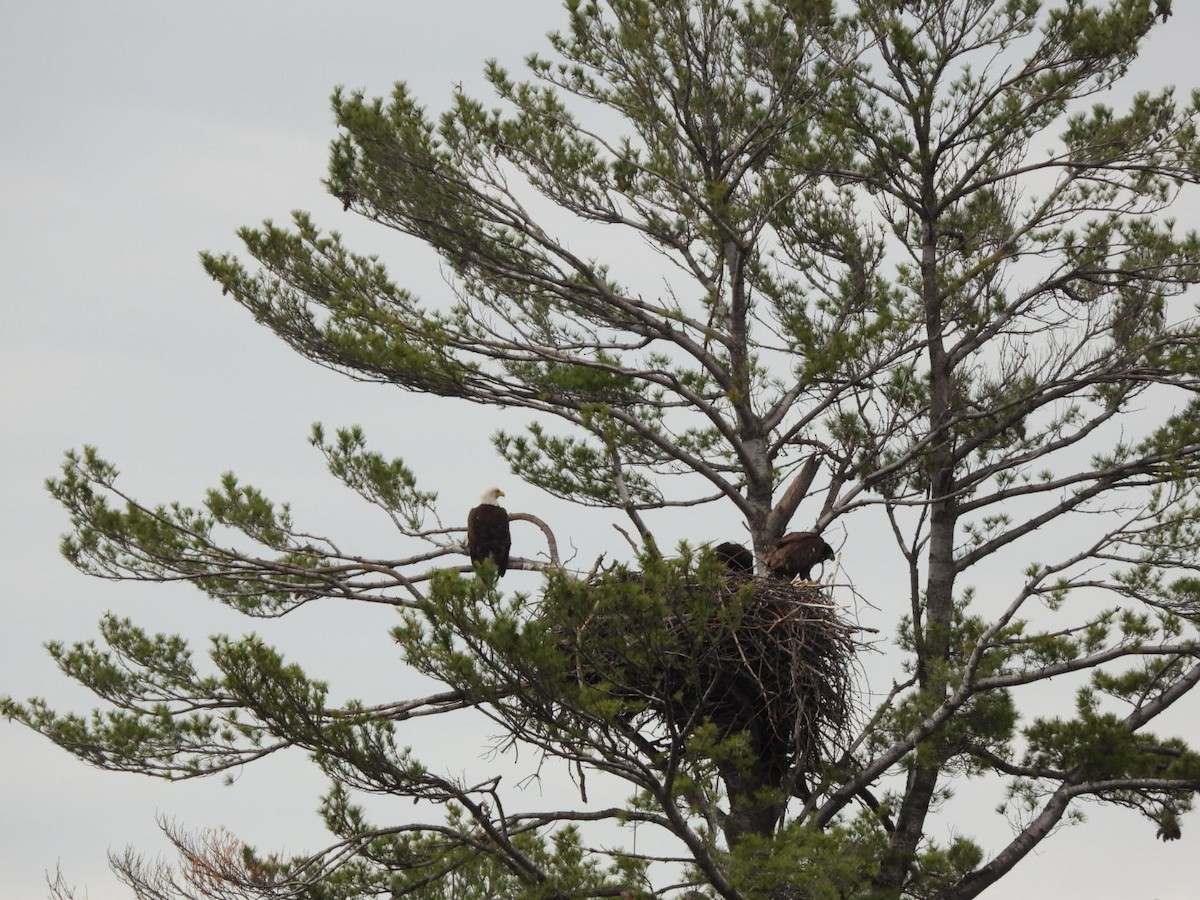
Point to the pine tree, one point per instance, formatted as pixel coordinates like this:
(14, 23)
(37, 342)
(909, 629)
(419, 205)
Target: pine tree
(903, 263)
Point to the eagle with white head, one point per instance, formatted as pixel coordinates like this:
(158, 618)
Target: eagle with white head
(488, 534)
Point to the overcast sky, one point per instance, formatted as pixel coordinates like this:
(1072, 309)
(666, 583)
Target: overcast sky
(136, 134)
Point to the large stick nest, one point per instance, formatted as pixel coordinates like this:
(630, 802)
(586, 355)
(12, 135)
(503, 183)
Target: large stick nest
(753, 655)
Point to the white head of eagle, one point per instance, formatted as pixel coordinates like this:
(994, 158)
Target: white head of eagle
(488, 535)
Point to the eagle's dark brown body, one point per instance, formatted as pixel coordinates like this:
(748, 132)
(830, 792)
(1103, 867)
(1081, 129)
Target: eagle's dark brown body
(736, 557)
(488, 534)
(796, 554)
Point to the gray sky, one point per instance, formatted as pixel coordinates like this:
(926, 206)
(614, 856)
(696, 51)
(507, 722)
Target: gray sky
(136, 134)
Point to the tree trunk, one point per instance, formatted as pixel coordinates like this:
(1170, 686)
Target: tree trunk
(932, 637)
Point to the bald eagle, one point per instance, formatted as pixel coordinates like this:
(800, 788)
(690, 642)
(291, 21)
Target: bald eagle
(736, 557)
(796, 554)
(488, 535)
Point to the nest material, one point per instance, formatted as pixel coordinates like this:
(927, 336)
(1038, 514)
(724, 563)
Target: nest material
(753, 655)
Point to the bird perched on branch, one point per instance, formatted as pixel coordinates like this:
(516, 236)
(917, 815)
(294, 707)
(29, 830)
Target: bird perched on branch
(488, 534)
(796, 554)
